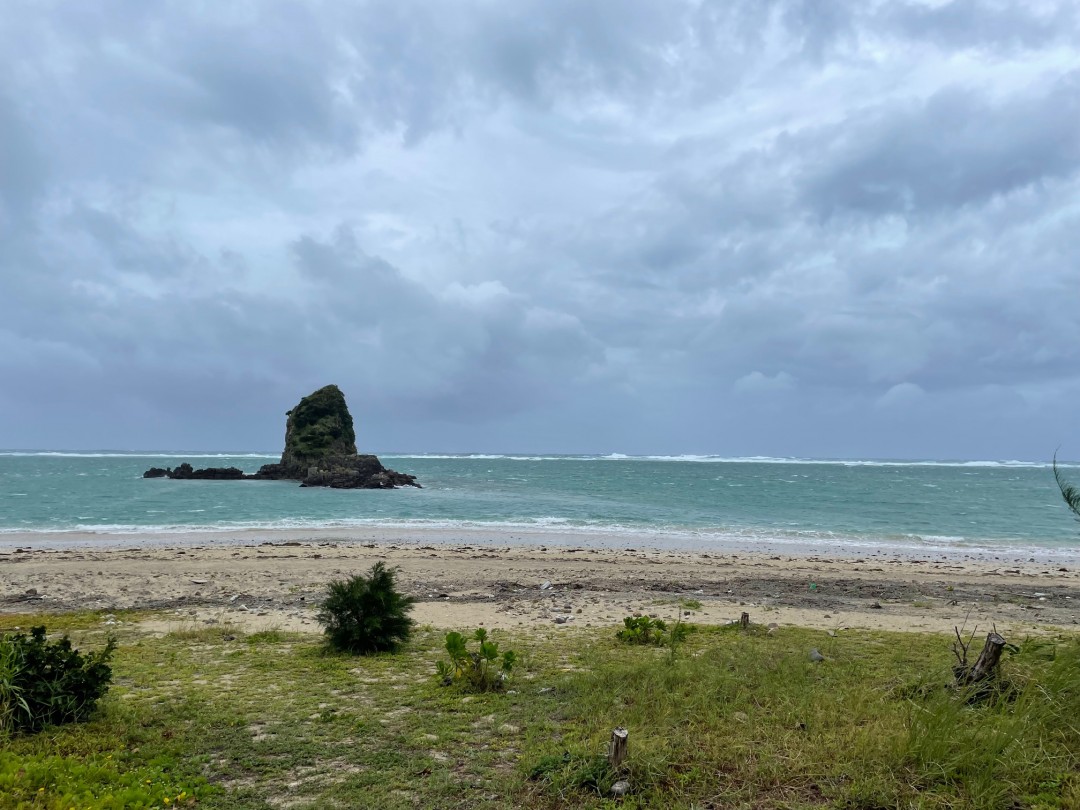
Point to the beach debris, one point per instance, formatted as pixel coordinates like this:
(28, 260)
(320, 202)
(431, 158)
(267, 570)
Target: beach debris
(236, 596)
(546, 585)
(876, 606)
(773, 627)
(199, 581)
(744, 621)
(620, 789)
(546, 690)
(830, 633)
(816, 656)
(813, 586)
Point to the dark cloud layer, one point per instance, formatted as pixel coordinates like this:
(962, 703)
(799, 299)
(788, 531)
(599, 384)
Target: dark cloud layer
(783, 227)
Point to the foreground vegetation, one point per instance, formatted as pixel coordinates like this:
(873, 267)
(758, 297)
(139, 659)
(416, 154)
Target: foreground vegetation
(215, 718)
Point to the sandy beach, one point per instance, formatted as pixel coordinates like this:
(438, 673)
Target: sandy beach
(508, 581)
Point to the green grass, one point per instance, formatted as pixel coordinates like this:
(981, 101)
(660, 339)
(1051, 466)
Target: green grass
(739, 720)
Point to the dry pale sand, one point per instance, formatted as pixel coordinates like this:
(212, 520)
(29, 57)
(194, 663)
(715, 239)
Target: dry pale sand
(275, 582)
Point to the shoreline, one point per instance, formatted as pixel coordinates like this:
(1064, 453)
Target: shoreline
(683, 541)
(261, 579)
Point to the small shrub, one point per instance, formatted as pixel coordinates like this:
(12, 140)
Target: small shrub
(43, 684)
(484, 670)
(366, 614)
(644, 630)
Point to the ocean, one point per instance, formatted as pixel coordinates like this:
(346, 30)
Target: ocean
(688, 502)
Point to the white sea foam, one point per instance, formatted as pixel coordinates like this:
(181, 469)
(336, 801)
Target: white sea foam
(686, 457)
(178, 454)
(712, 459)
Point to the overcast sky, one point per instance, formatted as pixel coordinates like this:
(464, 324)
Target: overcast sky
(810, 228)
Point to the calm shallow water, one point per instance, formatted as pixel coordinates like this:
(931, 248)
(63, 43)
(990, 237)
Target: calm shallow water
(954, 505)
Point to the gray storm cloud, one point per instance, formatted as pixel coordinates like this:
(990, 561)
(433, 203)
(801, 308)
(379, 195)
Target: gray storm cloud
(788, 228)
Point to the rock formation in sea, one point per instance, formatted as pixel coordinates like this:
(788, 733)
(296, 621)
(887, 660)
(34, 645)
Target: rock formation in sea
(320, 451)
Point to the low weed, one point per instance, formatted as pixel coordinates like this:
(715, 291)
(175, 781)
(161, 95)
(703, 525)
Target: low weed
(482, 670)
(646, 630)
(99, 781)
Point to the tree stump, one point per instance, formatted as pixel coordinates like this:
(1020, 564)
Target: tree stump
(617, 747)
(986, 665)
(744, 621)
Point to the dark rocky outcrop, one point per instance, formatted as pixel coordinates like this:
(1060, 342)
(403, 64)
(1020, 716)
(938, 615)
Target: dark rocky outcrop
(186, 472)
(320, 451)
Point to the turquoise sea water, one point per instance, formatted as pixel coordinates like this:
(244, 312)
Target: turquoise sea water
(699, 500)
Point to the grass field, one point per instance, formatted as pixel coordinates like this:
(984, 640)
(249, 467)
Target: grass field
(218, 719)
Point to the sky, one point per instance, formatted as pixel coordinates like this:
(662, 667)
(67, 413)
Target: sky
(738, 227)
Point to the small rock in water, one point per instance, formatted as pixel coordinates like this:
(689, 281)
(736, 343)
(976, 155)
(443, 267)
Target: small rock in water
(816, 656)
(620, 789)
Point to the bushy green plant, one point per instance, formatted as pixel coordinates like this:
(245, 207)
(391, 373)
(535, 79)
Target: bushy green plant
(482, 670)
(366, 614)
(646, 630)
(43, 684)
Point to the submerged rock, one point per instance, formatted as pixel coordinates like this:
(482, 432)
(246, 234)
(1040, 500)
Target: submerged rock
(320, 451)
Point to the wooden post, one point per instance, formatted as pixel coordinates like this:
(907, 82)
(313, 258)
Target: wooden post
(617, 748)
(986, 666)
(744, 621)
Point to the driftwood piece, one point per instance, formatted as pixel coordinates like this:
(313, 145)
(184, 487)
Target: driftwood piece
(744, 621)
(617, 747)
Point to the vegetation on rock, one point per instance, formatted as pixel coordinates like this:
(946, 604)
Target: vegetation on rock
(320, 425)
